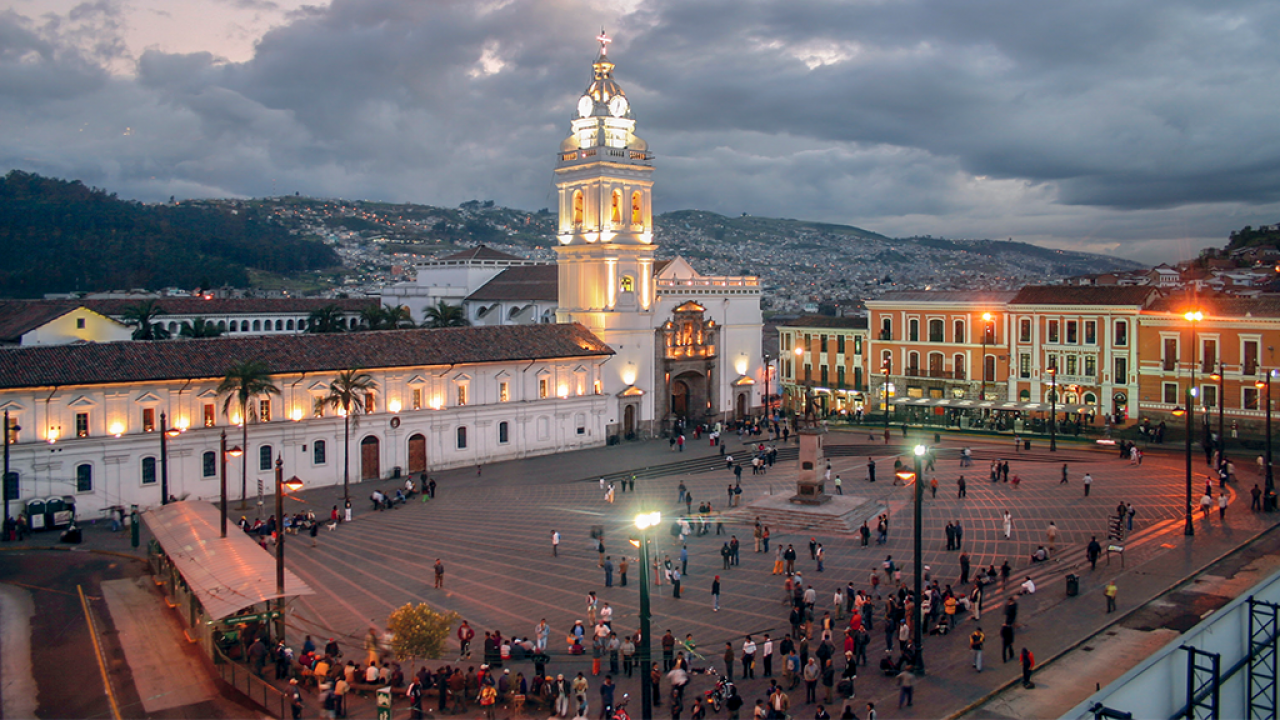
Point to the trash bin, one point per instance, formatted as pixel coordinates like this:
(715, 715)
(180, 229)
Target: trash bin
(396, 472)
(35, 515)
(1026, 444)
(1073, 585)
(1269, 501)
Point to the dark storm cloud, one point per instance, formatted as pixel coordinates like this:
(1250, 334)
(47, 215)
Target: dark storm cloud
(1074, 122)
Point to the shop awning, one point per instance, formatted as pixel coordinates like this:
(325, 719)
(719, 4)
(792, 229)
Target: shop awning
(991, 405)
(225, 574)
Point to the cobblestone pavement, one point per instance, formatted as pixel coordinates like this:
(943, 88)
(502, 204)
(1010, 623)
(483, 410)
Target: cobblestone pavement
(492, 532)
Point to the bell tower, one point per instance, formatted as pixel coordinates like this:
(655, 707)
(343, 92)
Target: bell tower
(604, 178)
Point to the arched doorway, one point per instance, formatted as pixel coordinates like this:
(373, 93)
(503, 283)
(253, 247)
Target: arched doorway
(370, 459)
(1120, 406)
(680, 398)
(417, 453)
(742, 406)
(629, 421)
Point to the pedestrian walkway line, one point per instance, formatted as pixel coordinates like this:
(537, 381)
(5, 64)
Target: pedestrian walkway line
(97, 654)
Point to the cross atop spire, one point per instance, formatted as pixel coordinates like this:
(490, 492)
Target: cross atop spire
(604, 42)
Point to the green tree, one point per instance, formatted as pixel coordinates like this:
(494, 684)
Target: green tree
(373, 317)
(142, 317)
(417, 631)
(347, 393)
(327, 319)
(200, 328)
(398, 317)
(244, 382)
(442, 315)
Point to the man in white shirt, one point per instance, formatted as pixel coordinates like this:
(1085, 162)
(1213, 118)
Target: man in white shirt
(1028, 586)
(748, 658)
(766, 652)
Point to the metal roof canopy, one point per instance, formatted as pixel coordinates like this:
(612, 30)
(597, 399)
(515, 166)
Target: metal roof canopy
(993, 405)
(225, 574)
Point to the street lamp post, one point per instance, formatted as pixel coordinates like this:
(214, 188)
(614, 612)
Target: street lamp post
(233, 452)
(799, 351)
(645, 521)
(919, 563)
(164, 459)
(1193, 317)
(1220, 378)
(1270, 480)
(767, 367)
(887, 369)
(986, 331)
(9, 487)
(293, 484)
(1053, 407)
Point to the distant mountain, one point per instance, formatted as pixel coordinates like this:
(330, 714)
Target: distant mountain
(60, 236)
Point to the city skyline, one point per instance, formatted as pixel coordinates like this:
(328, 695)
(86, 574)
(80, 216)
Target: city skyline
(1125, 128)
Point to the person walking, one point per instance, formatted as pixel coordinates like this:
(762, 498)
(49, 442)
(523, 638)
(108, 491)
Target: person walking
(715, 594)
(1222, 510)
(961, 484)
(555, 543)
(1028, 664)
(622, 570)
(684, 559)
(1110, 592)
(871, 468)
(976, 639)
(675, 582)
(1206, 502)
(933, 486)
(1092, 552)
(906, 686)
(1008, 524)
(1088, 483)
(1006, 642)
(839, 485)
(1052, 535)
(1063, 481)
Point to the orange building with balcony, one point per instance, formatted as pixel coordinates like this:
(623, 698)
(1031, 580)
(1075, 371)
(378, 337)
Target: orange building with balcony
(825, 356)
(1225, 355)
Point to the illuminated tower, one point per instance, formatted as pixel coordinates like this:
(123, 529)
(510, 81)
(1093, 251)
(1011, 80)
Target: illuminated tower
(605, 251)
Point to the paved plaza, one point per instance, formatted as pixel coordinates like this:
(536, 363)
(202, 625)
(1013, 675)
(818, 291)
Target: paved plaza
(491, 528)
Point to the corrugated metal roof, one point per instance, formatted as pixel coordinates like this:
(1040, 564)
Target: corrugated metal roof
(226, 574)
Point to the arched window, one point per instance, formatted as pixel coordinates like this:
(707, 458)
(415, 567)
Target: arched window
(958, 362)
(148, 471)
(279, 325)
(935, 364)
(637, 208)
(257, 326)
(504, 433)
(577, 207)
(615, 211)
(319, 452)
(628, 284)
(288, 325)
(209, 464)
(222, 325)
(913, 362)
(234, 327)
(462, 437)
(959, 331)
(84, 478)
(264, 457)
(1024, 395)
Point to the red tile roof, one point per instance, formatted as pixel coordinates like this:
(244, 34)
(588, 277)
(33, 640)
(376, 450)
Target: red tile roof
(979, 297)
(1222, 306)
(522, 283)
(124, 362)
(18, 317)
(1131, 295)
(229, 306)
(826, 321)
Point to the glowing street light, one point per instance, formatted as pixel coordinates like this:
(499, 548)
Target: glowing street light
(644, 521)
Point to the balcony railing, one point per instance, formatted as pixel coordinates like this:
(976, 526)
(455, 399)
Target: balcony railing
(935, 374)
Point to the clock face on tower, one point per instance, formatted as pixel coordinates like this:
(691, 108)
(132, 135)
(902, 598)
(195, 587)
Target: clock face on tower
(618, 106)
(585, 105)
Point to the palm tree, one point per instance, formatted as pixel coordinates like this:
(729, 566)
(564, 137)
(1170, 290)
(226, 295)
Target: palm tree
(243, 382)
(374, 318)
(398, 317)
(200, 328)
(442, 315)
(143, 316)
(346, 394)
(327, 319)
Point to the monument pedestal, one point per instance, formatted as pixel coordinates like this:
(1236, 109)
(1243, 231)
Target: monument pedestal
(810, 482)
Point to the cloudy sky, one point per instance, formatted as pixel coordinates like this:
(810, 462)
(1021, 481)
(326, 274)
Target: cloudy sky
(1142, 128)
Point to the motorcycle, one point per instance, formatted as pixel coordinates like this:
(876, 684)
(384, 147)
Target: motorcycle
(620, 712)
(718, 695)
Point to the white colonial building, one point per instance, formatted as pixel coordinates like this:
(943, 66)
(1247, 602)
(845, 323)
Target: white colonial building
(90, 414)
(687, 346)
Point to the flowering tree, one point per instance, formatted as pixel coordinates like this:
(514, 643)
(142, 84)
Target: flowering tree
(418, 631)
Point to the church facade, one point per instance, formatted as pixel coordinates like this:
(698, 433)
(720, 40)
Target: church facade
(687, 346)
